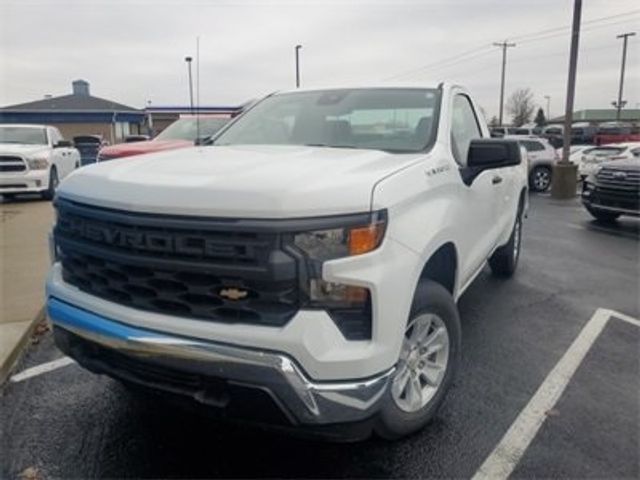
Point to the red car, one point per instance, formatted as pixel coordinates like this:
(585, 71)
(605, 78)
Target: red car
(617, 133)
(180, 134)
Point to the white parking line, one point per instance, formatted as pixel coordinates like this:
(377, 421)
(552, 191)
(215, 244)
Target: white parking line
(625, 318)
(506, 455)
(40, 369)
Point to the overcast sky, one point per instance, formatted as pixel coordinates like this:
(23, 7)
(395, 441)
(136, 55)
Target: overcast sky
(133, 51)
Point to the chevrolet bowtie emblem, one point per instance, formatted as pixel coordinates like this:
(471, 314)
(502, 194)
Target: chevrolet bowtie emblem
(233, 293)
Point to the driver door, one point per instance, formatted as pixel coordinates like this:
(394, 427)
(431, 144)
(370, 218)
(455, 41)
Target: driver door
(481, 205)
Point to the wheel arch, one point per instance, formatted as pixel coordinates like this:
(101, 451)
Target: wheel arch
(442, 267)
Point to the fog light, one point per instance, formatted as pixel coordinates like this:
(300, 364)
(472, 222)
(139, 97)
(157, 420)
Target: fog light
(332, 295)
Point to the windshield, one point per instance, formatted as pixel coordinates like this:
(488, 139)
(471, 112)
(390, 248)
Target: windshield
(605, 151)
(23, 135)
(186, 128)
(396, 120)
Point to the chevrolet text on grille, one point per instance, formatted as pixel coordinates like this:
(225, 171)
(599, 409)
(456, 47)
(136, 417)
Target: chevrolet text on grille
(116, 236)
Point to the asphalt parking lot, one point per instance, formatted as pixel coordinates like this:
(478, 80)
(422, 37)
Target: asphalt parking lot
(70, 423)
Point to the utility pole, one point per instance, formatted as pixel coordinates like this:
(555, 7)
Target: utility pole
(548, 98)
(504, 45)
(620, 103)
(297, 50)
(188, 60)
(563, 184)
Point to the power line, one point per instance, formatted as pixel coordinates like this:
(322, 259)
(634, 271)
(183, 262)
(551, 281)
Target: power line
(542, 34)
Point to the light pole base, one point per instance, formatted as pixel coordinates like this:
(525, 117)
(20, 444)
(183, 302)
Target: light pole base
(564, 181)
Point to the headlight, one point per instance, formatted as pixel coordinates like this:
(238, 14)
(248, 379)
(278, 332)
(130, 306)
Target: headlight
(38, 163)
(348, 305)
(342, 242)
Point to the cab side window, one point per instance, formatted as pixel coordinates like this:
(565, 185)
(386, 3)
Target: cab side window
(464, 128)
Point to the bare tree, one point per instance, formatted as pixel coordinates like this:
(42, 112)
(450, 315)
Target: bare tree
(521, 106)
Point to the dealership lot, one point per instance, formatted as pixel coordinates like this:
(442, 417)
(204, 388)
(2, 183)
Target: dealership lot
(67, 422)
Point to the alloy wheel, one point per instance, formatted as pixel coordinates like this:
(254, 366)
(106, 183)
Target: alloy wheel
(423, 363)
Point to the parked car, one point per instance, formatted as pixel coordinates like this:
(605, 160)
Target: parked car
(613, 190)
(180, 134)
(34, 159)
(576, 152)
(541, 158)
(302, 271)
(583, 133)
(499, 132)
(617, 132)
(554, 135)
(89, 146)
(594, 157)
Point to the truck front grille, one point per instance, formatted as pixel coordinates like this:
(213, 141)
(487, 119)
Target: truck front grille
(618, 188)
(12, 164)
(209, 269)
(619, 179)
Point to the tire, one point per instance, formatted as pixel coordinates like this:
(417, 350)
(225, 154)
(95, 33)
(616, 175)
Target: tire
(604, 217)
(9, 196)
(431, 301)
(540, 179)
(504, 260)
(50, 192)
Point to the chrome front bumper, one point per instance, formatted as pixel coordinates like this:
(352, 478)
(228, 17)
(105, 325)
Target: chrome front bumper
(301, 399)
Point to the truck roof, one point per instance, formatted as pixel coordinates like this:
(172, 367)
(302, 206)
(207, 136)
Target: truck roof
(352, 86)
(23, 125)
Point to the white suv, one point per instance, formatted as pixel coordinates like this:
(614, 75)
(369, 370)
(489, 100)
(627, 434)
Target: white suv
(541, 157)
(304, 269)
(34, 159)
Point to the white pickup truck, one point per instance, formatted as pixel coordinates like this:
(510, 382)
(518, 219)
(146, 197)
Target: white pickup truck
(303, 270)
(34, 159)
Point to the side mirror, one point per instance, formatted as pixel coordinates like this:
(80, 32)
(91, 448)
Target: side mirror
(63, 144)
(486, 154)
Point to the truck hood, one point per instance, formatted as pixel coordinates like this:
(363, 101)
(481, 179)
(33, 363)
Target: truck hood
(21, 149)
(238, 181)
(138, 148)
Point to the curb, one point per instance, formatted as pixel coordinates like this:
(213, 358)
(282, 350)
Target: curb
(10, 362)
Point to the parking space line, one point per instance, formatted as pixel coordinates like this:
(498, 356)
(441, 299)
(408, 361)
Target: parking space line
(625, 318)
(506, 455)
(40, 369)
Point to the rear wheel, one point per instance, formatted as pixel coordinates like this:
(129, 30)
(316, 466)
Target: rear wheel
(427, 365)
(540, 179)
(50, 192)
(604, 217)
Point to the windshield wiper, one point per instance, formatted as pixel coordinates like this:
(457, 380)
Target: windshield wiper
(324, 145)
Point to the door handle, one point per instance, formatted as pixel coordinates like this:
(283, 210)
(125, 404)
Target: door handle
(496, 180)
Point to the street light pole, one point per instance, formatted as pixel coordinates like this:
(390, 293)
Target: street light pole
(548, 98)
(297, 50)
(563, 179)
(504, 45)
(620, 103)
(188, 60)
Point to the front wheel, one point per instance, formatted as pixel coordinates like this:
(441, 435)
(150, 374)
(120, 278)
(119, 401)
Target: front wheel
(50, 192)
(428, 361)
(540, 179)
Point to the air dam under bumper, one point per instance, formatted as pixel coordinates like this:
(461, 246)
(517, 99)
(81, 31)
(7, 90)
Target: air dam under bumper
(303, 401)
